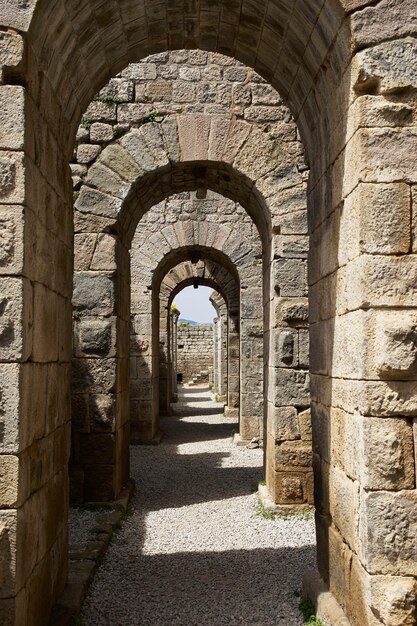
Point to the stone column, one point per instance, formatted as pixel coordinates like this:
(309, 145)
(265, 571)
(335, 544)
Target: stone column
(216, 386)
(35, 352)
(233, 367)
(164, 360)
(175, 314)
(100, 414)
(289, 448)
(223, 352)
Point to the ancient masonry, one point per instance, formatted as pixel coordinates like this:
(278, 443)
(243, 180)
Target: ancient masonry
(195, 351)
(324, 175)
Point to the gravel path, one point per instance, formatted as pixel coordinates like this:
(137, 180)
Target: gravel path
(195, 552)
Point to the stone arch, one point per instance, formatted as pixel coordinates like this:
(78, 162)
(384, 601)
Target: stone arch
(227, 278)
(337, 104)
(228, 296)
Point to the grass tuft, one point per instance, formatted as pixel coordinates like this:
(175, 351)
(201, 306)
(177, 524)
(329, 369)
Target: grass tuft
(309, 613)
(262, 512)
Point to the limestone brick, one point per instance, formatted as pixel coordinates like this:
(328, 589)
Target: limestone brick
(387, 531)
(12, 113)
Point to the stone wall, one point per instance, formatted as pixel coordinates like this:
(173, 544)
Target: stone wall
(346, 68)
(194, 350)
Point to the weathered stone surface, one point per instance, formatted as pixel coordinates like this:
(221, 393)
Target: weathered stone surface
(12, 111)
(290, 277)
(9, 480)
(393, 599)
(291, 387)
(285, 347)
(96, 337)
(94, 292)
(12, 186)
(101, 133)
(378, 23)
(293, 455)
(387, 531)
(388, 67)
(283, 423)
(397, 345)
(87, 153)
(376, 220)
(386, 460)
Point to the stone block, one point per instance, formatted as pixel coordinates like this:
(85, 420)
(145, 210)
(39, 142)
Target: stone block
(304, 425)
(291, 246)
(284, 349)
(387, 454)
(10, 481)
(283, 423)
(387, 531)
(94, 292)
(290, 277)
(8, 553)
(380, 155)
(344, 505)
(99, 482)
(345, 442)
(12, 112)
(101, 112)
(97, 203)
(12, 45)
(94, 375)
(12, 177)
(393, 599)
(375, 220)
(291, 387)
(101, 133)
(96, 337)
(87, 153)
(11, 239)
(386, 68)
(121, 159)
(16, 318)
(104, 257)
(183, 91)
(46, 310)
(289, 488)
(293, 455)
(291, 311)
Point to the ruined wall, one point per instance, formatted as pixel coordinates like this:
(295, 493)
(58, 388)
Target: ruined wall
(194, 350)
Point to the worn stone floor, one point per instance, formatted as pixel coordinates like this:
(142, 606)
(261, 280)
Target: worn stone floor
(195, 550)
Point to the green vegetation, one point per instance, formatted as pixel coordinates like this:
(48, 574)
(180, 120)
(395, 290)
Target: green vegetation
(309, 613)
(86, 123)
(109, 100)
(128, 513)
(307, 515)
(262, 512)
(153, 116)
(76, 314)
(262, 483)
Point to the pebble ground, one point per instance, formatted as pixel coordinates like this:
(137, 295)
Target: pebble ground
(195, 552)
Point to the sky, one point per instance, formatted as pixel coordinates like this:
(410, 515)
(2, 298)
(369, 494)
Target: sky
(194, 305)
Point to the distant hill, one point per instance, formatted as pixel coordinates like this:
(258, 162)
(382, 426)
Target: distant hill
(193, 323)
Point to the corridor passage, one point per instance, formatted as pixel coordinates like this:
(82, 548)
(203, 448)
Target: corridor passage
(195, 550)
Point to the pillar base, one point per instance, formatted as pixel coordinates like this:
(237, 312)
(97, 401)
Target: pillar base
(231, 412)
(283, 509)
(328, 610)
